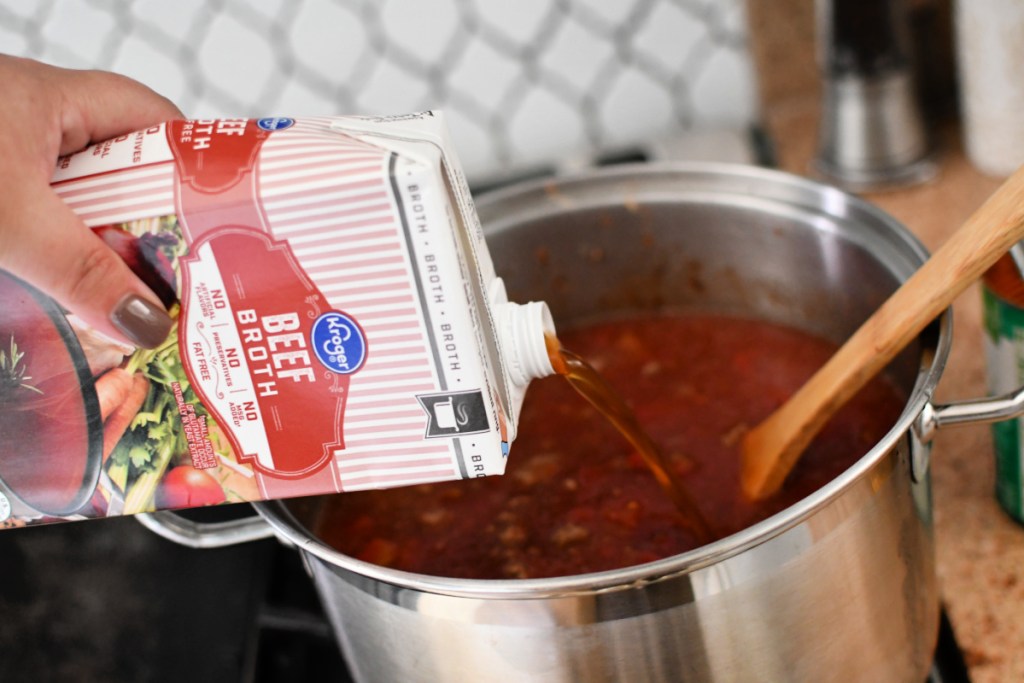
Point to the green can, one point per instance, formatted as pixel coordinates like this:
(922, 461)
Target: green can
(1004, 351)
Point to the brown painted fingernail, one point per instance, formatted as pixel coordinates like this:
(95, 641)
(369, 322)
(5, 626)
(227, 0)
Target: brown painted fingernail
(144, 323)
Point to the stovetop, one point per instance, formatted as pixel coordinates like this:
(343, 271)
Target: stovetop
(108, 601)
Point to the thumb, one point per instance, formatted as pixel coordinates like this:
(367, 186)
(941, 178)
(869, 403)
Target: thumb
(47, 245)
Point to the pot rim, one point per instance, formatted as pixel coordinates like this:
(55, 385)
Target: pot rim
(931, 368)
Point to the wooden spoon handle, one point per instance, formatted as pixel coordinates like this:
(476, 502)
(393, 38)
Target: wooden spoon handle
(772, 448)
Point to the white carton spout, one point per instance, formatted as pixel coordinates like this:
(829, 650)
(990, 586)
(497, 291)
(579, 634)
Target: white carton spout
(521, 331)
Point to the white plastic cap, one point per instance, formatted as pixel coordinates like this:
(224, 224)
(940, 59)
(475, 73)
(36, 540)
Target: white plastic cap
(521, 330)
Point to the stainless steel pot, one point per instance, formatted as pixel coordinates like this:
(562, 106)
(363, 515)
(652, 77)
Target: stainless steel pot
(840, 586)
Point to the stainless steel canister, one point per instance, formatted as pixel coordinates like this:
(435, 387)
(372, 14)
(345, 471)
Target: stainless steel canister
(840, 586)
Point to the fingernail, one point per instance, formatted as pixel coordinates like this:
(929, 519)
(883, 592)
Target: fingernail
(145, 324)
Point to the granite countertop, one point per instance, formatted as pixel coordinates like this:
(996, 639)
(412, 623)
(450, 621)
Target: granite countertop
(980, 549)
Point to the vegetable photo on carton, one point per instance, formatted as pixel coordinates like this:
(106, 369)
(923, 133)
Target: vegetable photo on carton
(142, 436)
(146, 451)
(51, 425)
(82, 431)
(142, 450)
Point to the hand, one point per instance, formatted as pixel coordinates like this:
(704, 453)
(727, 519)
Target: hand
(49, 112)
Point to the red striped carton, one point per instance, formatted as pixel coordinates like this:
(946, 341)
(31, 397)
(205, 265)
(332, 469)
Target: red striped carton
(339, 322)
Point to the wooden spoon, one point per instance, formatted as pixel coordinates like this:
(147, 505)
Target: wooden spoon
(770, 449)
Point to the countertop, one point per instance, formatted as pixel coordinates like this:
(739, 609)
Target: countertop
(980, 549)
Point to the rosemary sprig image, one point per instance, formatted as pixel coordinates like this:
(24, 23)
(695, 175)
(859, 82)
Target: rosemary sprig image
(13, 371)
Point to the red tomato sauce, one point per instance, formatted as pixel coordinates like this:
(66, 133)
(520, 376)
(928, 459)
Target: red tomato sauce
(576, 499)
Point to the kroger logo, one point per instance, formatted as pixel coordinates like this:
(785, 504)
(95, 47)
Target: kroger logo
(275, 123)
(338, 342)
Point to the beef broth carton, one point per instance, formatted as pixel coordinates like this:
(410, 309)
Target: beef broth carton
(339, 324)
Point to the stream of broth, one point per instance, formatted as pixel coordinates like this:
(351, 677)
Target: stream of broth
(592, 386)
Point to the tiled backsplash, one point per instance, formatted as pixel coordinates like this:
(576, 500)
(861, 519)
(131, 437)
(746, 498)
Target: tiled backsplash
(525, 84)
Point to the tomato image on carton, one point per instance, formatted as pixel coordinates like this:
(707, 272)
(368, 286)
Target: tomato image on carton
(339, 324)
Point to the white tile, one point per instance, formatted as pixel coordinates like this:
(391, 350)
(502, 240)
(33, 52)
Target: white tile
(296, 99)
(517, 22)
(391, 90)
(236, 59)
(271, 10)
(13, 42)
(636, 109)
(82, 30)
(27, 10)
(328, 38)
(174, 19)
(207, 108)
(668, 36)
(724, 92)
(484, 74)
(732, 16)
(474, 143)
(687, 61)
(610, 13)
(543, 128)
(577, 55)
(424, 28)
(140, 60)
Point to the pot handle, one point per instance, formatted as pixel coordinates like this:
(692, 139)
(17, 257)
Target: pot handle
(174, 527)
(971, 411)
